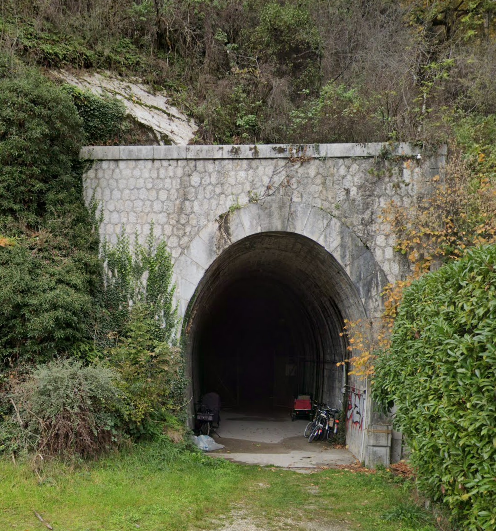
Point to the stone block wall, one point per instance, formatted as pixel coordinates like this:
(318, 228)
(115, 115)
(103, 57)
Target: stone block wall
(204, 199)
(182, 188)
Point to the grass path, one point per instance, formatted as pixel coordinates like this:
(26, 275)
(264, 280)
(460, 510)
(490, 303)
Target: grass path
(161, 488)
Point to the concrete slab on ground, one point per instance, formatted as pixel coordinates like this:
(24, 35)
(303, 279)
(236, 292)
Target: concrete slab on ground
(274, 440)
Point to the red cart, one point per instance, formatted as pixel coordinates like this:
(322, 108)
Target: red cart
(302, 407)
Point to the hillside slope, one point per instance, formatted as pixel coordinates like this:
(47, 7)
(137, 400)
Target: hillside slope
(280, 71)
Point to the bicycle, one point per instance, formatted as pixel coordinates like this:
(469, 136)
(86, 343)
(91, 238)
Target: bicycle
(204, 420)
(325, 424)
(311, 425)
(332, 425)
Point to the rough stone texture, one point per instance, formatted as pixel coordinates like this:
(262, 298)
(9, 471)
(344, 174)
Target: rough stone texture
(333, 194)
(204, 200)
(148, 107)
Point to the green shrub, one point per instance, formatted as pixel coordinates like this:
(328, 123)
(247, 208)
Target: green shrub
(152, 375)
(46, 301)
(103, 117)
(476, 135)
(40, 137)
(440, 373)
(286, 32)
(49, 277)
(138, 332)
(337, 114)
(231, 114)
(64, 408)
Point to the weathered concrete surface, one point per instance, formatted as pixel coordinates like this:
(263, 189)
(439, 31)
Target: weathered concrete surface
(274, 441)
(316, 457)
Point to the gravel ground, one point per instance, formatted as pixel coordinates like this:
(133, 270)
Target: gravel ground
(240, 520)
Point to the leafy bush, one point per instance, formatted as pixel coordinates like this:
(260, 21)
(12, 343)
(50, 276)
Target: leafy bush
(138, 331)
(64, 408)
(103, 118)
(49, 277)
(231, 113)
(45, 299)
(152, 374)
(287, 33)
(440, 374)
(40, 136)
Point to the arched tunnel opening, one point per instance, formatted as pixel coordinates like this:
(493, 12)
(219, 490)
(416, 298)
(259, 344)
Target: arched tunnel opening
(266, 323)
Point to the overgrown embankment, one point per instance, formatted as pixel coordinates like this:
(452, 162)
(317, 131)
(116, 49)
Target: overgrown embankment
(292, 71)
(88, 354)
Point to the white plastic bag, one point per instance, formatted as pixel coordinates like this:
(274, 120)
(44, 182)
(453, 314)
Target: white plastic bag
(206, 443)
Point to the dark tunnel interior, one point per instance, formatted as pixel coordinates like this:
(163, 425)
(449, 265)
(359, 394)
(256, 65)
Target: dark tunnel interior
(266, 323)
(253, 343)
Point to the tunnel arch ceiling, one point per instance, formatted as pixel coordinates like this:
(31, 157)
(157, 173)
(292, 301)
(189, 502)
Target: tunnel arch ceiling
(265, 317)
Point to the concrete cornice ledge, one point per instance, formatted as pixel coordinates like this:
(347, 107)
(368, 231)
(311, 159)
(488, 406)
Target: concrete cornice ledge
(293, 152)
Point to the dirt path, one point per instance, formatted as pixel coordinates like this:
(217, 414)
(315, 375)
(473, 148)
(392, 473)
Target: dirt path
(275, 441)
(240, 520)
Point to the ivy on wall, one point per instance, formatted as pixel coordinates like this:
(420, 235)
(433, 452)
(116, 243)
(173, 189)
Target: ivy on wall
(103, 117)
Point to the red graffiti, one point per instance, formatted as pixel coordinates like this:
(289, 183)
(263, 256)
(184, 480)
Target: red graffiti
(356, 408)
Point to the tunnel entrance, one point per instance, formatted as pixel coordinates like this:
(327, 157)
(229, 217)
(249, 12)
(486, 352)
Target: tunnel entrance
(266, 323)
(252, 347)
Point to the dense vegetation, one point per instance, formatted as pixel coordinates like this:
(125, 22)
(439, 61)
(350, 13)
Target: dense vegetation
(248, 71)
(440, 373)
(278, 71)
(58, 301)
(50, 270)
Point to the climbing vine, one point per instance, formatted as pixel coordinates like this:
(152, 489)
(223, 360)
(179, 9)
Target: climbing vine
(457, 214)
(140, 274)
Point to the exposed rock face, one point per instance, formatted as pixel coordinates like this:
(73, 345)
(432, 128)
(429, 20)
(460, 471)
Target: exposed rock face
(146, 106)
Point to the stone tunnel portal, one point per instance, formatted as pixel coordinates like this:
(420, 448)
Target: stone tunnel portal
(266, 321)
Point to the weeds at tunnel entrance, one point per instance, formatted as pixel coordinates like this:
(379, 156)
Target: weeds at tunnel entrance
(136, 385)
(140, 334)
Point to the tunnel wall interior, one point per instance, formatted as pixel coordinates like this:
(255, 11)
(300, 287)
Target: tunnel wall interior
(266, 321)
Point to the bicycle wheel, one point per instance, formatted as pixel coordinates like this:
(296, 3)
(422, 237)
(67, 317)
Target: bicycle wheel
(309, 428)
(325, 433)
(205, 428)
(315, 433)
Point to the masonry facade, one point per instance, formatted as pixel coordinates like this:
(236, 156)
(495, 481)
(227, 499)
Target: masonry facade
(309, 217)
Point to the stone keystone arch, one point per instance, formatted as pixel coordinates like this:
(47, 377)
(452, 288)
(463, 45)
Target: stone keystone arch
(276, 214)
